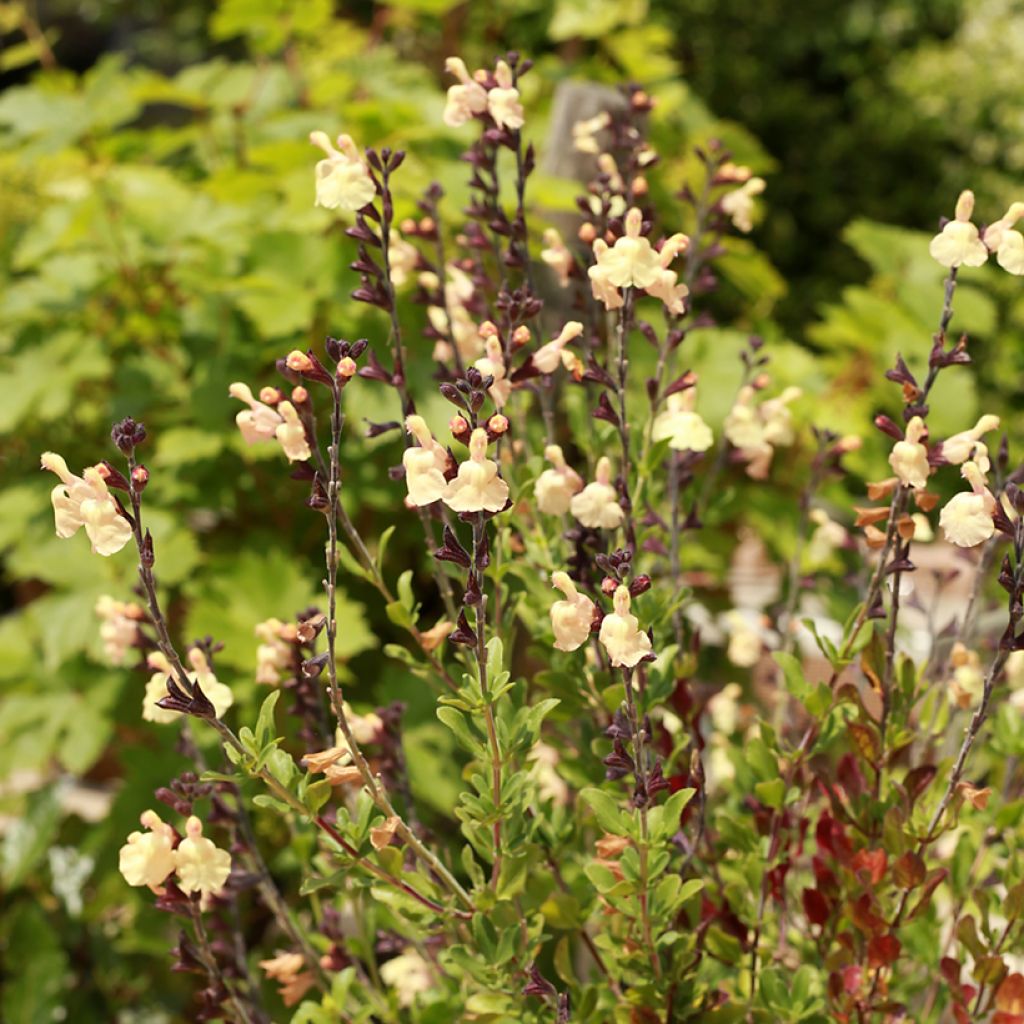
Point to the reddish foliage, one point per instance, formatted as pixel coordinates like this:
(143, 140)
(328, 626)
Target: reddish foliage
(816, 907)
(870, 865)
(883, 950)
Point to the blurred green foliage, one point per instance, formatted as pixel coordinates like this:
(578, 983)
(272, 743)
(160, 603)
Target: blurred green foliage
(159, 241)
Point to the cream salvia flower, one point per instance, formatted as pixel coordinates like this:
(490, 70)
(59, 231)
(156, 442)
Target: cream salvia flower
(274, 654)
(493, 365)
(909, 457)
(959, 242)
(961, 447)
(597, 505)
(1007, 243)
(1010, 254)
(343, 181)
(548, 357)
(828, 536)
(738, 204)
(147, 858)
(621, 635)
(503, 99)
(219, 695)
(557, 255)
(742, 427)
(259, 421)
(550, 785)
(199, 864)
(555, 487)
(465, 100)
(291, 434)
(457, 323)
(777, 418)
(85, 501)
(403, 259)
(584, 133)
(757, 430)
(119, 627)
(572, 618)
(408, 974)
(966, 519)
(425, 465)
(680, 425)
(632, 262)
(477, 486)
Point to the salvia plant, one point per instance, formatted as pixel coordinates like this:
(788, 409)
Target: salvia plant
(826, 836)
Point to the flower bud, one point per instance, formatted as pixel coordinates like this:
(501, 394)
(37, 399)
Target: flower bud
(521, 335)
(299, 395)
(270, 396)
(587, 233)
(497, 424)
(298, 362)
(346, 368)
(140, 477)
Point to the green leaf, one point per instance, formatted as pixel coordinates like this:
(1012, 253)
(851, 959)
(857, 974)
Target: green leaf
(606, 809)
(456, 721)
(771, 793)
(266, 728)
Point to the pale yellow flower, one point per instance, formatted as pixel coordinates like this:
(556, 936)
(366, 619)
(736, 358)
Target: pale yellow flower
(680, 425)
(557, 255)
(909, 457)
(959, 242)
(966, 520)
(584, 133)
(738, 204)
(743, 427)
(464, 100)
(597, 505)
(477, 486)
(291, 434)
(274, 654)
(219, 695)
(259, 421)
(403, 259)
(634, 263)
(425, 465)
(627, 645)
(827, 537)
(493, 365)
(85, 501)
(746, 636)
(550, 785)
(408, 974)
(343, 181)
(572, 618)
(961, 447)
(778, 418)
(548, 357)
(200, 865)
(1010, 254)
(503, 100)
(756, 430)
(555, 487)
(119, 627)
(147, 858)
